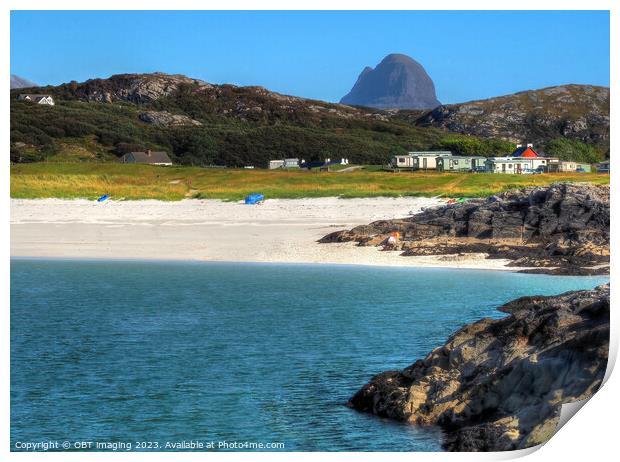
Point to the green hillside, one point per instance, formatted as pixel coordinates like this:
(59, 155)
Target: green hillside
(101, 119)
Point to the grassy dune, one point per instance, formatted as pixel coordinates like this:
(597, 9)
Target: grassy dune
(91, 180)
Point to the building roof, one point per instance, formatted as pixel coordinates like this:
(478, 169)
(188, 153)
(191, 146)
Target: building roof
(33, 96)
(151, 157)
(465, 157)
(429, 153)
(505, 160)
(524, 152)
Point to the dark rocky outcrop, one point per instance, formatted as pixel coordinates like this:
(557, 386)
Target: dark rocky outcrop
(398, 82)
(499, 385)
(166, 119)
(560, 229)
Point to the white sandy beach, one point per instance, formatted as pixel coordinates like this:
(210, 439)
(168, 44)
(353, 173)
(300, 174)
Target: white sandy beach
(279, 230)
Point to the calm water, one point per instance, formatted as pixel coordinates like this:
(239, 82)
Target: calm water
(136, 351)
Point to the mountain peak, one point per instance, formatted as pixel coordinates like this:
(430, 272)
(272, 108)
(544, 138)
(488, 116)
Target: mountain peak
(398, 82)
(20, 82)
(398, 58)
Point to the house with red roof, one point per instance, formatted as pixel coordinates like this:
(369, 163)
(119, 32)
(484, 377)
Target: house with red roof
(524, 159)
(537, 161)
(525, 152)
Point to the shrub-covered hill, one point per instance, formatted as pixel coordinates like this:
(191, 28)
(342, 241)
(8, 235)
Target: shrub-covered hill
(204, 124)
(575, 112)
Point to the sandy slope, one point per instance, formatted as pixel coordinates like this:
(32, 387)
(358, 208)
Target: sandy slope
(276, 231)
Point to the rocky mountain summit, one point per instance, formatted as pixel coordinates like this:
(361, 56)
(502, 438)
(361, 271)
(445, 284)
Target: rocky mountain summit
(135, 88)
(499, 385)
(574, 111)
(398, 82)
(20, 82)
(560, 229)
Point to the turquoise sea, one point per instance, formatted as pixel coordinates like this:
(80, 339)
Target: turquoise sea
(155, 352)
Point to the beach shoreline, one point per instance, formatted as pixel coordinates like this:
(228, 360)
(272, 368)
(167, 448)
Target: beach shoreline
(278, 231)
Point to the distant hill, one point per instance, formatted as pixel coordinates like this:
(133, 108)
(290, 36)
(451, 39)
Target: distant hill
(398, 82)
(200, 123)
(20, 82)
(203, 124)
(579, 112)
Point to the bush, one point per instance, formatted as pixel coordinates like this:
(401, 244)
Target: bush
(575, 150)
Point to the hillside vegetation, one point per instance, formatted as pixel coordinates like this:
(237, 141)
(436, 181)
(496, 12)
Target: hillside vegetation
(575, 112)
(123, 181)
(202, 124)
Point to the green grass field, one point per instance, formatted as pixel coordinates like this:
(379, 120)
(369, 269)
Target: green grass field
(91, 180)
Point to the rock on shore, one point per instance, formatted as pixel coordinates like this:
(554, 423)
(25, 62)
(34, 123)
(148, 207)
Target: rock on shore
(499, 385)
(560, 229)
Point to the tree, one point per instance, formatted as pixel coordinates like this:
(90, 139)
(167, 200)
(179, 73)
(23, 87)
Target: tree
(575, 150)
(473, 146)
(398, 151)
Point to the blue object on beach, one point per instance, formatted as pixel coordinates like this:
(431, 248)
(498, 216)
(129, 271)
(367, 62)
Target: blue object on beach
(254, 198)
(103, 198)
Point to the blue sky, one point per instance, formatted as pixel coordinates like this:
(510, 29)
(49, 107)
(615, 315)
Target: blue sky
(469, 55)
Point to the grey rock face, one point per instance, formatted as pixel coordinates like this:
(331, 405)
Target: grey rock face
(135, 88)
(398, 82)
(498, 385)
(20, 82)
(166, 119)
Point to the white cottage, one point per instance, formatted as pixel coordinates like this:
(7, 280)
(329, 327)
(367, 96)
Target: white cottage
(419, 160)
(508, 165)
(37, 99)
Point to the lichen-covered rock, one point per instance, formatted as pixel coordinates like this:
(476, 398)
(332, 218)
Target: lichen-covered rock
(499, 384)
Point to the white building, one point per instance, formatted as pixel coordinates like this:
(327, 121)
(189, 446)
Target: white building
(37, 99)
(273, 164)
(508, 165)
(561, 166)
(291, 163)
(460, 163)
(404, 161)
(427, 160)
(419, 160)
